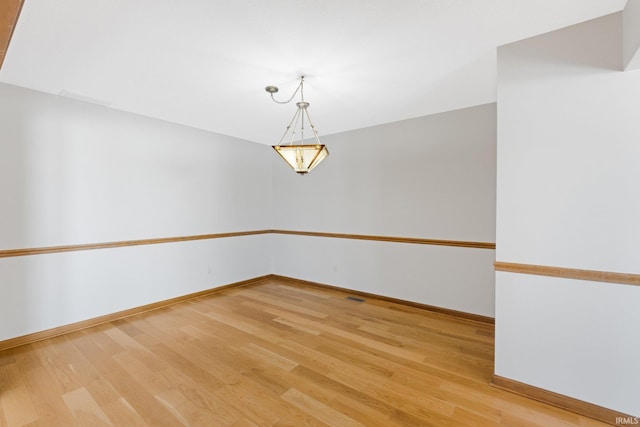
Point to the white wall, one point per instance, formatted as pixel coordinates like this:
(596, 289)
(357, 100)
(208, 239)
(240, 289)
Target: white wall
(631, 35)
(455, 278)
(45, 291)
(568, 196)
(73, 173)
(432, 177)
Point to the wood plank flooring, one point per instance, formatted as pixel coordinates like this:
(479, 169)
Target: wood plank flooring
(268, 355)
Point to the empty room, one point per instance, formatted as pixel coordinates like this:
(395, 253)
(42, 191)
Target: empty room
(299, 213)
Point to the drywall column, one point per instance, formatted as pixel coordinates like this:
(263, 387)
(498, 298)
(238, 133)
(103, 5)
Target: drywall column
(568, 198)
(74, 173)
(432, 177)
(631, 35)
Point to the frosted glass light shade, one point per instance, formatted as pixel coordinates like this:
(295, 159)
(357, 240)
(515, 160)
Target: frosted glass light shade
(302, 158)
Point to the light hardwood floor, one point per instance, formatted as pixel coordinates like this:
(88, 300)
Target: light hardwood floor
(268, 355)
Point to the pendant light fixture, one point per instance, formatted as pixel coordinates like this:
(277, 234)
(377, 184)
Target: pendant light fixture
(300, 156)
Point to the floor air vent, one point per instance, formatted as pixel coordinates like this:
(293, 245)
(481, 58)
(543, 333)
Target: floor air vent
(355, 299)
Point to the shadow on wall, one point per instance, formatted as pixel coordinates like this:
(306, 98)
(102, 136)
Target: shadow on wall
(14, 223)
(31, 170)
(568, 49)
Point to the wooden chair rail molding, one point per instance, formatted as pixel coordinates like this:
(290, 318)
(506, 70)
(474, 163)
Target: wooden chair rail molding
(580, 407)
(569, 273)
(455, 243)
(105, 245)
(9, 12)
(7, 253)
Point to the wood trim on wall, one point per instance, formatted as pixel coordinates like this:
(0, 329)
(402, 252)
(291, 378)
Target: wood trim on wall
(580, 407)
(73, 327)
(455, 243)
(569, 273)
(435, 309)
(9, 13)
(89, 246)
(7, 253)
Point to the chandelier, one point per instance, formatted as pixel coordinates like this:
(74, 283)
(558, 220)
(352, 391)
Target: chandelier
(300, 156)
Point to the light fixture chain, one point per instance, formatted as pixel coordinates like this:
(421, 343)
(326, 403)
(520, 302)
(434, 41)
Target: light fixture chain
(292, 96)
(313, 128)
(296, 117)
(293, 119)
(302, 124)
